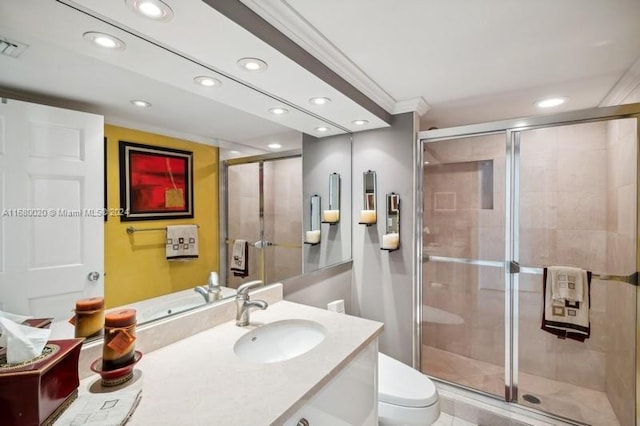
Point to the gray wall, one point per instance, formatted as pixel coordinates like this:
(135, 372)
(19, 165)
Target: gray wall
(383, 281)
(321, 287)
(320, 158)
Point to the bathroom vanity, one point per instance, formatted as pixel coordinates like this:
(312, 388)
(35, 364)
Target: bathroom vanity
(207, 379)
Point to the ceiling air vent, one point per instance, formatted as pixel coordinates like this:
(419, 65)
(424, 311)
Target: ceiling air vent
(11, 48)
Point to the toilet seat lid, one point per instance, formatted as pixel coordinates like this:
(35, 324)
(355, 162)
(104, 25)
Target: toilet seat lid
(399, 384)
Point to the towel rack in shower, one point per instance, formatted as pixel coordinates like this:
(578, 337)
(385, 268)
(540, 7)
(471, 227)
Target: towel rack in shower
(261, 244)
(514, 267)
(131, 229)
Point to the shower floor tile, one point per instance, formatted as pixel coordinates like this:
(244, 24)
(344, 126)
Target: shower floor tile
(562, 399)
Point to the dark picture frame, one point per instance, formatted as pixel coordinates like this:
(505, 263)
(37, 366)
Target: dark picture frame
(156, 183)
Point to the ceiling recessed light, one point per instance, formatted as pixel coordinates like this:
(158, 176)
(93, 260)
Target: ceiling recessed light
(252, 64)
(551, 102)
(322, 129)
(104, 40)
(234, 152)
(140, 103)
(278, 111)
(207, 81)
(274, 146)
(152, 9)
(360, 122)
(319, 101)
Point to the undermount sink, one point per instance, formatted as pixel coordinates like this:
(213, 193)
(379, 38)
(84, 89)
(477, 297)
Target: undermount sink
(279, 341)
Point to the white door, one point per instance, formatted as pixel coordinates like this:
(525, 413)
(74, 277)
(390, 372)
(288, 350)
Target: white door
(51, 196)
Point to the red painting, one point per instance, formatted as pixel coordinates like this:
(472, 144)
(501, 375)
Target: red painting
(156, 183)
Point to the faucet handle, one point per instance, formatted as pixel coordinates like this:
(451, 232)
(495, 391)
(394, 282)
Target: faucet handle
(244, 288)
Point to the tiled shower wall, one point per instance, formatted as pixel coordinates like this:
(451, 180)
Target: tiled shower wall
(577, 207)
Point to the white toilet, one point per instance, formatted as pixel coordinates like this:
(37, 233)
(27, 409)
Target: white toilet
(405, 396)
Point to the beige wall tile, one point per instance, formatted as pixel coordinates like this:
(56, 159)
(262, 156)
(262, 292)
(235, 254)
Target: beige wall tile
(583, 249)
(539, 209)
(584, 210)
(627, 211)
(586, 172)
(538, 247)
(583, 137)
(580, 366)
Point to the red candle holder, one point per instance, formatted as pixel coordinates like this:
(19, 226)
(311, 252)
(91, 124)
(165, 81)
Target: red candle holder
(116, 376)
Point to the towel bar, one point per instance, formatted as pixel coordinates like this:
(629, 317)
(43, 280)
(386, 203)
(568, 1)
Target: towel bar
(253, 244)
(131, 229)
(629, 279)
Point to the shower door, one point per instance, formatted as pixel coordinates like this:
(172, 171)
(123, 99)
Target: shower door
(464, 288)
(498, 208)
(264, 208)
(576, 205)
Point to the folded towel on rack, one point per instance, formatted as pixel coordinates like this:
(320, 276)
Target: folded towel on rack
(240, 258)
(182, 242)
(567, 283)
(565, 318)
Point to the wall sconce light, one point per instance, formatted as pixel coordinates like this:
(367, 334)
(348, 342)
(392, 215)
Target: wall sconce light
(332, 216)
(391, 238)
(368, 215)
(312, 236)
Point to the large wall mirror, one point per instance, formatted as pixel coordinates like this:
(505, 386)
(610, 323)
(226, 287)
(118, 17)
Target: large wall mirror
(56, 66)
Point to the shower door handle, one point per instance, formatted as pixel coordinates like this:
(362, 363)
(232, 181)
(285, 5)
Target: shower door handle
(262, 244)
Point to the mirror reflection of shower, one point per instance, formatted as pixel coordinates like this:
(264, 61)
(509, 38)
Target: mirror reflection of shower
(264, 207)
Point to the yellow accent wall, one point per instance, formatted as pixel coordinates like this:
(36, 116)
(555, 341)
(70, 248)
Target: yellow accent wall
(135, 264)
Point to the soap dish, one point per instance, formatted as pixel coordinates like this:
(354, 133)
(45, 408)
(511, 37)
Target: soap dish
(117, 376)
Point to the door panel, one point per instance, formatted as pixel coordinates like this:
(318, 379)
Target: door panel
(52, 228)
(463, 309)
(283, 218)
(577, 207)
(243, 217)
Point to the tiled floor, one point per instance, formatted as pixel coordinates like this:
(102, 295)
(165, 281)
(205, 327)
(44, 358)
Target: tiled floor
(562, 399)
(447, 420)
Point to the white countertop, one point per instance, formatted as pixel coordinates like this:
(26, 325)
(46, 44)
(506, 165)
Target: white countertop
(200, 381)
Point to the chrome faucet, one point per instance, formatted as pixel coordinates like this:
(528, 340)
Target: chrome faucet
(243, 304)
(212, 292)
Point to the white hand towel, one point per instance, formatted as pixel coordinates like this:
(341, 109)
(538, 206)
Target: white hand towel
(182, 242)
(567, 283)
(23, 343)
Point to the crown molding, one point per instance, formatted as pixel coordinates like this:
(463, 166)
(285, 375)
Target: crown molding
(287, 20)
(418, 105)
(629, 81)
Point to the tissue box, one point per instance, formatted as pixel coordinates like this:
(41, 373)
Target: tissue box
(36, 392)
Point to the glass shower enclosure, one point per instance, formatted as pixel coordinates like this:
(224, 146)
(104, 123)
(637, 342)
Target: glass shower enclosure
(502, 202)
(264, 208)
